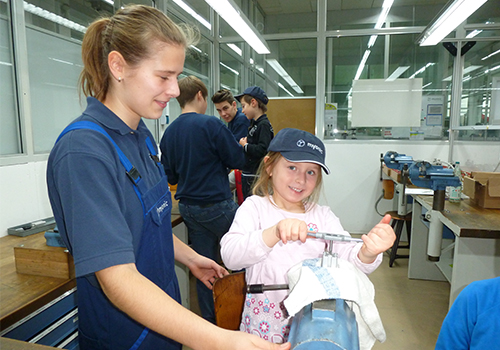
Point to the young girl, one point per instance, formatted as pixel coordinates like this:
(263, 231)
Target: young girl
(269, 233)
(111, 200)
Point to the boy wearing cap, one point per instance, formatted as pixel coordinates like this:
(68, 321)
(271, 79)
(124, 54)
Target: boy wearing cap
(237, 122)
(260, 133)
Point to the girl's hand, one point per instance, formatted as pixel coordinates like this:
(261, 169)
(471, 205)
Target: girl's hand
(206, 270)
(378, 240)
(243, 141)
(285, 230)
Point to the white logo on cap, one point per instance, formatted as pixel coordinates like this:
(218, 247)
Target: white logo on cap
(315, 147)
(301, 143)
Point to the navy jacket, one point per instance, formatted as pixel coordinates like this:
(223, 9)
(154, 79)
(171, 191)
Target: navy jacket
(239, 125)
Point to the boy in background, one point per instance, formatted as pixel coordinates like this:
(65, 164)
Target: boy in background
(237, 122)
(196, 151)
(260, 133)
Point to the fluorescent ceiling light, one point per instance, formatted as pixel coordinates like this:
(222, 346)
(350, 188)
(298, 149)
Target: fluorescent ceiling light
(195, 48)
(423, 87)
(372, 40)
(284, 88)
(491, 54)
(386, 7)
(284, 74)
(421, 70)
(230, 12)
(448, 20)
(38, 11)
(111, 2)
(474, 33)
(397, 73)
(230, 69)
(492, 69)
(466, 71)
(235, 49)
(193, 13)
(362, 64)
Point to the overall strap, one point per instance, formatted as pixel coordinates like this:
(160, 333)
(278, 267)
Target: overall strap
(130, 170)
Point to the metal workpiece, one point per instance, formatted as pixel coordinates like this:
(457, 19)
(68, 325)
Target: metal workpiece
(334, 237)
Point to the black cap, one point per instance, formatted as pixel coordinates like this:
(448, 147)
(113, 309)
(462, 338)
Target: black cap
(256, 92)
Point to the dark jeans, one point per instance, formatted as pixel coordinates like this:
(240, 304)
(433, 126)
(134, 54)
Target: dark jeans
(206, 226)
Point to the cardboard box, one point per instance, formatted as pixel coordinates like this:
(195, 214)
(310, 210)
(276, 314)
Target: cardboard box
(483, 188)
(35, 257)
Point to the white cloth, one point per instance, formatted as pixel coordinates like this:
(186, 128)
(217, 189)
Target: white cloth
(309, 282)
(243, 248)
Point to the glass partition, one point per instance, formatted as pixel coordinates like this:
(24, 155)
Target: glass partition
(10, 130)
(351, 58)
(231, 66)
(343, 15)
(291, 68)
(480, 103)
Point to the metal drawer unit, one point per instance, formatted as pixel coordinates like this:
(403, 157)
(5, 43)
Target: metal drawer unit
(55, 324)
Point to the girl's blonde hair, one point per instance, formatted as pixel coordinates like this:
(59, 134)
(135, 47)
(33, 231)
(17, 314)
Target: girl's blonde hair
(263, 185)
(131, 31)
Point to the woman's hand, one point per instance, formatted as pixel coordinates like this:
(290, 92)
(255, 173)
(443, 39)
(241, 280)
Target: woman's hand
(378, 240)
(206, 270)
(285, 230)
(245, 341)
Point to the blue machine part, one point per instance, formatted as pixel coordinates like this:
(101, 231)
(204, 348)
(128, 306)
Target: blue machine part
(435, 177)
(53, 238)
(325, 325)
(394, 160)
(422, 173)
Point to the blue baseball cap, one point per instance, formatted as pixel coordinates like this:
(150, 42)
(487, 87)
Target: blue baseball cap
(256, 92)
(299, 146)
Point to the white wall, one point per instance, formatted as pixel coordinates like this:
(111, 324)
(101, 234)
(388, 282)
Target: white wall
(23, 195)
(351, 190)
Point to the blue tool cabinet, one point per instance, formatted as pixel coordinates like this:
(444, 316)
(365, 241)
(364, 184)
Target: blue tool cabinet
(54, 324)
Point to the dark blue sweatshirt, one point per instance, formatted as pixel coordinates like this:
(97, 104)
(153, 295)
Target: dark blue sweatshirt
(197, 150)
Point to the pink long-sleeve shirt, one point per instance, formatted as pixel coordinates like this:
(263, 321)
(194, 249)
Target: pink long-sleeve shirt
(243, 247)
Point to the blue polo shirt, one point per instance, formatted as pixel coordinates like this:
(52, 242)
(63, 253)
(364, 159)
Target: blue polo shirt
(196, 151)
(102, 219)
(239, 125)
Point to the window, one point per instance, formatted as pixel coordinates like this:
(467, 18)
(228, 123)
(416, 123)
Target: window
(10, 130)
(406, 60)
(480, 103)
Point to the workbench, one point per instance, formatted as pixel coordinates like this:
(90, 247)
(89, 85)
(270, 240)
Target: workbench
(472, 254)
(28, 301)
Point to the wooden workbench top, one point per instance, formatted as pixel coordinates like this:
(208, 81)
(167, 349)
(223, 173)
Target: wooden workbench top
(466, 219)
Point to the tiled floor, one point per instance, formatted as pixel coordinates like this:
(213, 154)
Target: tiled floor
(411, 310)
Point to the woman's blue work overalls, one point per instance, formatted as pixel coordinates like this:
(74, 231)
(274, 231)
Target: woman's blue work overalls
(154, 259)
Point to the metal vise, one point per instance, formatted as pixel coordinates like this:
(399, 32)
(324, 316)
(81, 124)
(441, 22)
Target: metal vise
(426, 175)
(325, 324)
